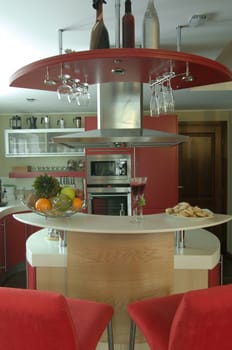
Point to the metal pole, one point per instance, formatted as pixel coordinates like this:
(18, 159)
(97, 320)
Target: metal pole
(60, 40)
(178, 38)
(117, 23)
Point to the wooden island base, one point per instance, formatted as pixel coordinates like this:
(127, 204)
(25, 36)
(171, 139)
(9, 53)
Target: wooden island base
(118, 269)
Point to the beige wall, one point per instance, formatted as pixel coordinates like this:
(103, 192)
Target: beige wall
(6, 164)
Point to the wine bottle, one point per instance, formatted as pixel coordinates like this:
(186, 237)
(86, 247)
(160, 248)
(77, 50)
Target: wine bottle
(99, 35)
(151, 27)
(128, 27)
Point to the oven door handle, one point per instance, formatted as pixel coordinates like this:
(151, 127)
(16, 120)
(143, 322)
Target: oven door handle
(91, 195)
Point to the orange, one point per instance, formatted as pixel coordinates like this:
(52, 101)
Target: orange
(77, 203)
(43, 204)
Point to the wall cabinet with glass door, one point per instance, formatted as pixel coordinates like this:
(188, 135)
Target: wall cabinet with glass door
(39, 143)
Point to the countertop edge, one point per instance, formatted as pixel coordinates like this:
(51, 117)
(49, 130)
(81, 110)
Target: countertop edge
(41, 252)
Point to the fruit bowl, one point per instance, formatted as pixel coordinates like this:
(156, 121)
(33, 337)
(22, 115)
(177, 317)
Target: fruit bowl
(53, 212)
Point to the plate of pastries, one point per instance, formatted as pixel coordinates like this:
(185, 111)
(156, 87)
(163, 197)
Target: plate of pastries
(188, 211)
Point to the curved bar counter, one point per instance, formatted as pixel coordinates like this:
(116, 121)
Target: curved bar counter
(116, 260)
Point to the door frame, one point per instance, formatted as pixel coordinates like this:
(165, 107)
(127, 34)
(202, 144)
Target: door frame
(217, 115)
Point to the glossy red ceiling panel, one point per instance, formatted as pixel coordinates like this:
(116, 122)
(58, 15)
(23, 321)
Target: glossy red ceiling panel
(138, 65)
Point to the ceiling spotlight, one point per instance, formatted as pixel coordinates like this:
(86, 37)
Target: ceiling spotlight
(30, 99)
(197, 20)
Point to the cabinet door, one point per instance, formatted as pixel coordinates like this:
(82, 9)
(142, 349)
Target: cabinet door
(16, 236)
(15, 241)
(160, 165)
(38, 143)
(214, 276)
(2, 247)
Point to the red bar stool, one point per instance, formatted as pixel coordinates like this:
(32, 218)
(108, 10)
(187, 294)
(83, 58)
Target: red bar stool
(38, 320)
(200, 319)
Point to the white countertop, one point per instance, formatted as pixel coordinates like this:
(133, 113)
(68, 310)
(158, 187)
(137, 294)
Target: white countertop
(40, 251)
(202, 251)
(202, 248)
(120, 224)
(11, 208)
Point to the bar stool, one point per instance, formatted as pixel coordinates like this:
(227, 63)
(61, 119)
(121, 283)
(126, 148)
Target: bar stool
(200, 319)
(38, 320)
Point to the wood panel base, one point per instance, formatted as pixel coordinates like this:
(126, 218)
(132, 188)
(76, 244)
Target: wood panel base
(118, 269)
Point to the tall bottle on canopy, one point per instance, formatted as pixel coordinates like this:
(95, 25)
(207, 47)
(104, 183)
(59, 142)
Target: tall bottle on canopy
(128, 27)
(99, 34)
(151, 27)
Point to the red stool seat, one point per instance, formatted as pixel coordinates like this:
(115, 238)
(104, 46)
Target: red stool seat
(200, 320)
(38, 320)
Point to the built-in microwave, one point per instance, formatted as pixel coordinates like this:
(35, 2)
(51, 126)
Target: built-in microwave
(108, 169)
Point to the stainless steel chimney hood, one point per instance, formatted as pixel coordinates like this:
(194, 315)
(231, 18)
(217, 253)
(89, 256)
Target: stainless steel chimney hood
(121, 138)
(120, 121)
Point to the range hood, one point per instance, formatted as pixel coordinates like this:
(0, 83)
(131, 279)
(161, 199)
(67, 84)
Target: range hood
(121, 138)
(120, 121)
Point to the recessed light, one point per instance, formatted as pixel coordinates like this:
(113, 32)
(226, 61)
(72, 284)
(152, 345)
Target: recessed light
(31, 99)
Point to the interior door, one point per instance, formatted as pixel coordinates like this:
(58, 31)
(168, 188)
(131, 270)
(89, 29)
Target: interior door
(203, 169)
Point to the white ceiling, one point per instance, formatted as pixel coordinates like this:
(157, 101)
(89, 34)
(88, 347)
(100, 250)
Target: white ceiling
(29, 32)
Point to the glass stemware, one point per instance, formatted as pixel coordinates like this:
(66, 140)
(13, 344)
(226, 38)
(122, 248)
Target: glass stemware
(141, 199)
(137, 188)
(162, 99)
(64, 90)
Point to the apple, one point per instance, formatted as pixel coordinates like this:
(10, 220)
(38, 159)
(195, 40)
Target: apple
(68, 191)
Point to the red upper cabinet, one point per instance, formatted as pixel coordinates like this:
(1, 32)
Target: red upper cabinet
(90, 123)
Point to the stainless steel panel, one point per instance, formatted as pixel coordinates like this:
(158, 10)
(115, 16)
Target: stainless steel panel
(119, 105)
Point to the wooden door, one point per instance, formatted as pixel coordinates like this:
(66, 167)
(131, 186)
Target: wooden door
(203, 169)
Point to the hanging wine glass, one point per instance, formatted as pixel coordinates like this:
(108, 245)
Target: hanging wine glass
(64, 90)
(76, 90)
(170, 97)
(155, 100)
(84, 96)
(167, 101)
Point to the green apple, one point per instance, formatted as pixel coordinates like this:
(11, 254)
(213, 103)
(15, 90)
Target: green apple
(62, 202)
(68, 191)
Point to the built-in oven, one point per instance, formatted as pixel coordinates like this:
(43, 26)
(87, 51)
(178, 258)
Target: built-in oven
(108, 184)
(108, 169)
(109, 200)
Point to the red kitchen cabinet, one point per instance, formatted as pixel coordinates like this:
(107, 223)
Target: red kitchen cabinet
(160, 165)
(2, 247)
(90, 123)
(16, 234)
(214, 276)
